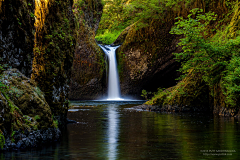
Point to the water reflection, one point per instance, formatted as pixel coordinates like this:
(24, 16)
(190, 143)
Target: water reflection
(108, 131)
(112, 131)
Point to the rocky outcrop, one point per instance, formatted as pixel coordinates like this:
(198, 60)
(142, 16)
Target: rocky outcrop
(220, 106)
(24, 139)
(88, 73)
(145, 58)
(24, 112)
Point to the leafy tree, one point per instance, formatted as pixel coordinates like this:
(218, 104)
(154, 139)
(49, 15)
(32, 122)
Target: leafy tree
(217, 61)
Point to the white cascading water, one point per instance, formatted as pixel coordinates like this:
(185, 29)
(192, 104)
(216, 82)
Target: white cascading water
(113, 79)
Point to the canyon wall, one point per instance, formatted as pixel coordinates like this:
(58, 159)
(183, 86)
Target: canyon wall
(88, 79)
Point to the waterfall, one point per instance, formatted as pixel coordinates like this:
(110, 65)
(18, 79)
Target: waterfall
(113, 79)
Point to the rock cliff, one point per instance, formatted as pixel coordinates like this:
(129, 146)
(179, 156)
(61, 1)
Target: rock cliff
(88, 73)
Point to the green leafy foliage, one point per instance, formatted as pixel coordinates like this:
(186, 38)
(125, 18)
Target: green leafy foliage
(216, 60)
(231, 81)
(119, 14)
(37, 117)
(198, 51)
(146, 94)
(113, 21)
(55, 123)
(108, 37)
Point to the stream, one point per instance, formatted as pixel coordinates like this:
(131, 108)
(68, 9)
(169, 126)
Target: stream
(112, 130)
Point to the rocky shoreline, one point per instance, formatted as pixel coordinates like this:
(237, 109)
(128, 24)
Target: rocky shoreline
(169, 108)
(30, 139)
(221, 111)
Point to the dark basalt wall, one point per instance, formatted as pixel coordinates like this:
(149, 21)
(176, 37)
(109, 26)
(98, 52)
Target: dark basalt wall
(17, 34)
(88, 73)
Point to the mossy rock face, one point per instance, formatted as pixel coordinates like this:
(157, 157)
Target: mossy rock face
(22, 104)
(193, 94)
(145, 59)
(88, 73)
(17, 34)
(191, 91)
(54, 48)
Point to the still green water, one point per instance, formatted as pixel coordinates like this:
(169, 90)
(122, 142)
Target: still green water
(115, 131)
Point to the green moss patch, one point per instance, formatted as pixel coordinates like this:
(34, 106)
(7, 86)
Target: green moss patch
(23, 103)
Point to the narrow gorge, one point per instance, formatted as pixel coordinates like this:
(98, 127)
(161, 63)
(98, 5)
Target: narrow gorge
(97, 64)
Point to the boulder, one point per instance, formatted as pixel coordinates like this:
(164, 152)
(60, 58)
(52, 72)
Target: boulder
(24, 111)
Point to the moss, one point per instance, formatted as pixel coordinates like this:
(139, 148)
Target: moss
(191, 91)
(109, 37)
(2, 140)
(30, 111)
(55, 41)
(55, 123)
(233, 29)
(37, 117)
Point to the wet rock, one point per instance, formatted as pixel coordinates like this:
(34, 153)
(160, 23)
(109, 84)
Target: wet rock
(12, 145)
(19, 144)
(32, 139)
(227, 112)
(170, 108)
(26, 143)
